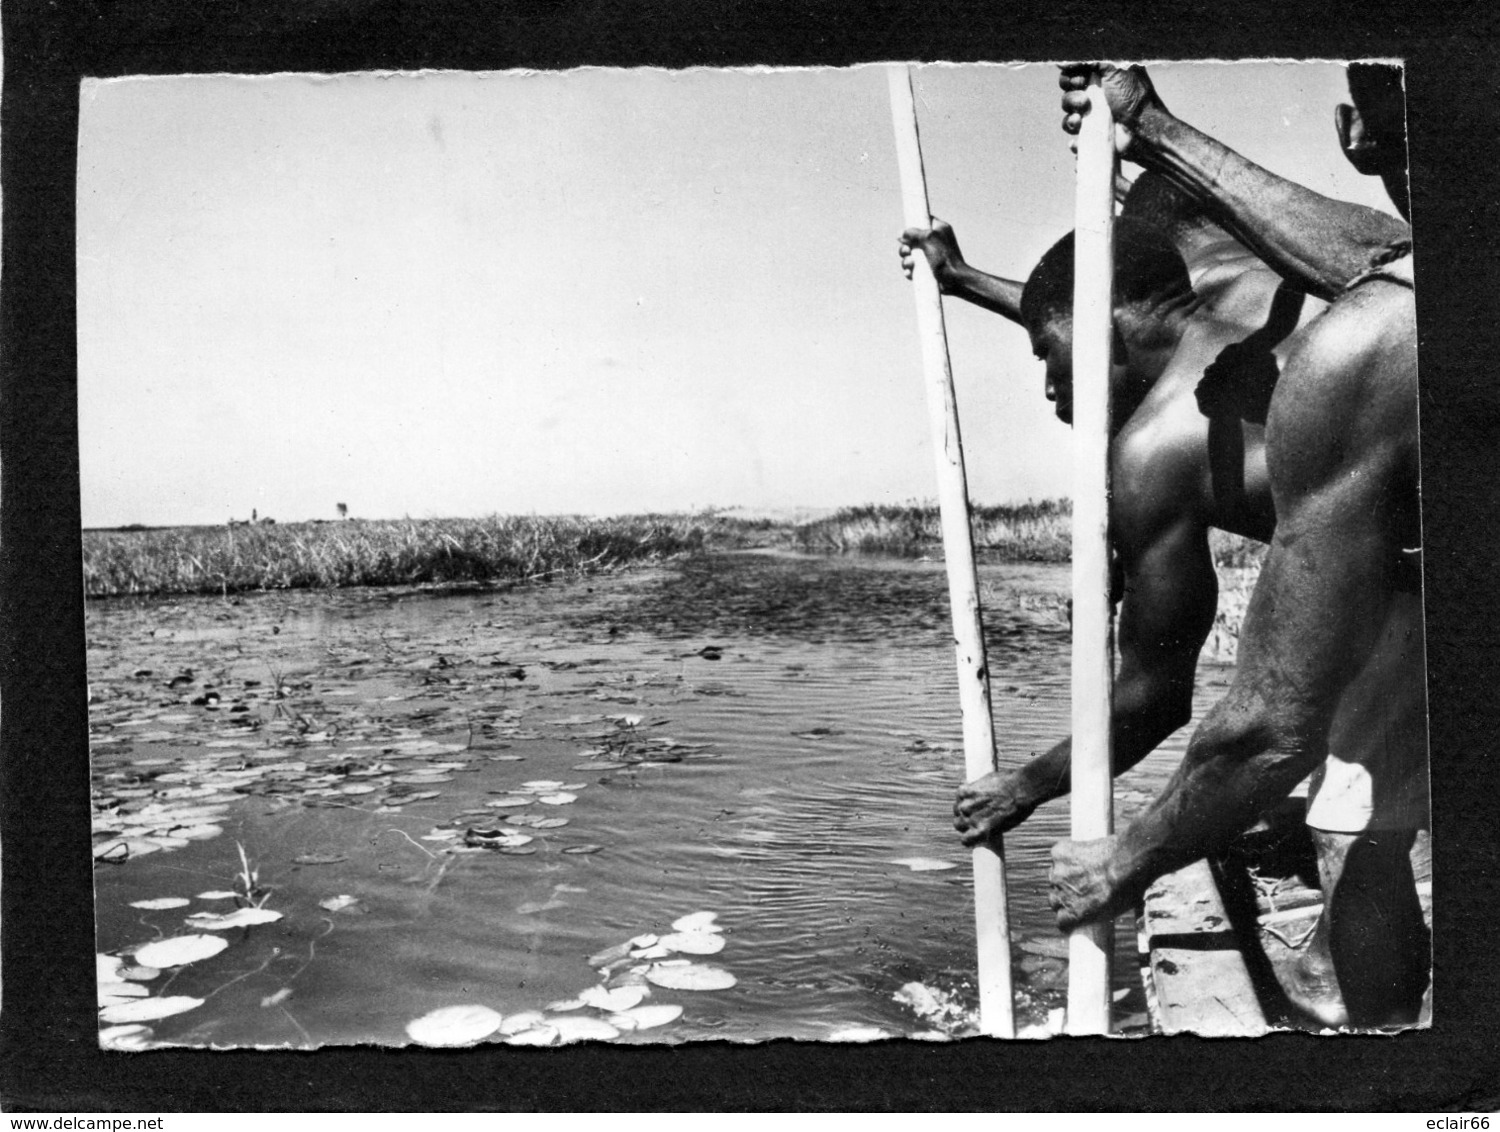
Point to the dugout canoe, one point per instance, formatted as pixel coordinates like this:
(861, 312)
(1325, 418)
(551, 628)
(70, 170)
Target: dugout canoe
(1213, 935)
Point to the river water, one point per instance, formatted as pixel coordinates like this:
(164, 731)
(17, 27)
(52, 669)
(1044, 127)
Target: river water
(771, 739)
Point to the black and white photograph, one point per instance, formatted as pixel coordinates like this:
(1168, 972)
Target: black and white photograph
(537, 590)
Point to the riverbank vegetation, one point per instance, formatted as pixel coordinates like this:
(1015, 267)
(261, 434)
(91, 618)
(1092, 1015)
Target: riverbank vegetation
(501, 549)
(264, 556)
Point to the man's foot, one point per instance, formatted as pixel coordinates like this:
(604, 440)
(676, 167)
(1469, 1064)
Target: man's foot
(1311, 984)
(1368, 961)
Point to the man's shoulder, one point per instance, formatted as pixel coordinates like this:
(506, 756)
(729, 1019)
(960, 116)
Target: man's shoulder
(1160, 464)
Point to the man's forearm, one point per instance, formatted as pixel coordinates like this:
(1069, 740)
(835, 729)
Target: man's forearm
(1228, 777)
(1317, 243)
(1002, 296)
(1134, 735)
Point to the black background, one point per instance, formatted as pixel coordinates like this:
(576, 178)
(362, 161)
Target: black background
(48, 1055)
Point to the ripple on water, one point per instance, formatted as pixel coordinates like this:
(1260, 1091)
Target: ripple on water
(790, 730)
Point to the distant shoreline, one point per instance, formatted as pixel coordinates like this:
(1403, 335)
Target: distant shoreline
(321, 554)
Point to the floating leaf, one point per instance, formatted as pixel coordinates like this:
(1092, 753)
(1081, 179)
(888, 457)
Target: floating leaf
(338, 903)
(562, 798)
(320, 858)
(217, 894)
(107, 969)
(277, 998)
(582, 1028)
(140, 974)
(205, 832)
(125, 1039)
(454, 1026)
(606, 957)
(690, 976)
(149, 1009)
(110, 993)
(510, 801)
(694, 943)
(160, 903)
(924, 864)
(613, 1001)
(564, 1004)
(655, 951)
(241, 918)
(645, 1017)
(697, 922)
(548, 823)
(515, 1023)
(179, 950)
(540, 1035)
(859, 1034)
(583, 850)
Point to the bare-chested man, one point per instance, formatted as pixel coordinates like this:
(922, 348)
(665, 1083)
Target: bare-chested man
(1330, 673)
(1200, 346)
(1178, 470)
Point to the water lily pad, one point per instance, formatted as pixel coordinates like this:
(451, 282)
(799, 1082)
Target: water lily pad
(515, 1023)
(107, 969)
(160, 903)
(510, 801)
(110, 993)
(613, 1001)
(583, 850)
(690, 976)
(860, 1034)
(694, 943)
(582, 1028)
(561, 798)
(655, 951)
(697, 922)
(924, 864)
(320, 858)
(539, 1035)
(542, 785)
(563, 1005)
(140, 974)
(645, 1017)
(205, 832)
(126, 1038)
(607, 956)
(454, 1026)
(179, 951)
(241, 918)
(338, 903)
(217, 894)
(149, 1009)
(549, 823)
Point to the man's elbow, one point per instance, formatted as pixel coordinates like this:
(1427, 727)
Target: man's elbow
(1274, 747)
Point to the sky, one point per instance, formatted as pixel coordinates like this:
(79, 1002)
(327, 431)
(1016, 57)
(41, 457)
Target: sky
(449, 294)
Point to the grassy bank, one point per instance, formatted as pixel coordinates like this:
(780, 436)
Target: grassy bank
(1024, 532)
(382, 553)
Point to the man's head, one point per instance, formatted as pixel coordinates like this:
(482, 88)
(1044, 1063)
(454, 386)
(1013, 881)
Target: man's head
(1372, 132)
(1150, 282)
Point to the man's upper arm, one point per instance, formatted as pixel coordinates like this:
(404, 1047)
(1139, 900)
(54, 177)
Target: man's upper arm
(1171, 597)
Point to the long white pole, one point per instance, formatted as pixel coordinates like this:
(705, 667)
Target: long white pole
(992, 919)
(1089, 947)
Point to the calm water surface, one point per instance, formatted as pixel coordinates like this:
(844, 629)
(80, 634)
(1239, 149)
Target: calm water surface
(763, 737)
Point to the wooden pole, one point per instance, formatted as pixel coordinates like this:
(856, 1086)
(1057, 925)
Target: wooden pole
(992, 919)
(1089, 947)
